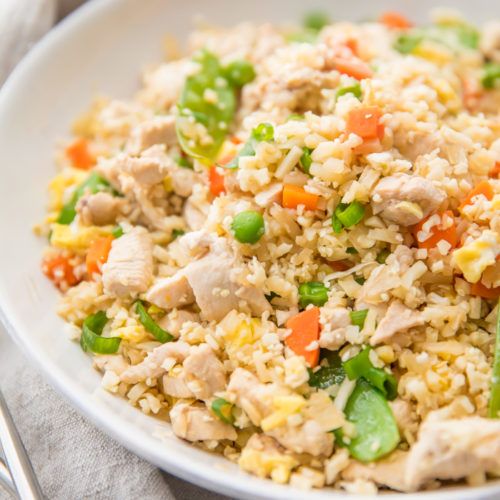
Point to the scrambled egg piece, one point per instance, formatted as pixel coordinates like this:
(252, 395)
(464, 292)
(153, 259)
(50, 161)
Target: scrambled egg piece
(60, 183)
(267, 464)
(284, 407)
(77, 239)
(434, 52)
(472, 259)
(244, 332)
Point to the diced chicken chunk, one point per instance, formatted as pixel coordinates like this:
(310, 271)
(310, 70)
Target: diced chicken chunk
(196, 423)
(99, 209)
(159, 130)
(453, 449)
(174, 321)
(398, 318)
(334, 321)
(169, 293)
(194, 217)
(176, 387)
(129, 268)
(147, 171)
(406, 199)
(204, 372)
(113, 362)
(401, 410)
(156, 362)
(269, 195)
(183, 180)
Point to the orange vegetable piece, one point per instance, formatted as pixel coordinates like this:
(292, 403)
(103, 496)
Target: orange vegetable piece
(365, 123)
(484, 188)
(352, 45)
(60, 271)
(293, 196)
(338, 265)
(438, 233)
(352, 67)
(216, 181)
(97, 254)
(305, 329)
(483, 291)
(79, 154)
(494, 173)
(395, 20)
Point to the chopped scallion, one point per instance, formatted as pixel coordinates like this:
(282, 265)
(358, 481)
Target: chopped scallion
(91, 339)
(223, 410)
(358, 317)
(313, 292)
(150, 325)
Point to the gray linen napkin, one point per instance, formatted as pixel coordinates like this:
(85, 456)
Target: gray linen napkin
(72, 459)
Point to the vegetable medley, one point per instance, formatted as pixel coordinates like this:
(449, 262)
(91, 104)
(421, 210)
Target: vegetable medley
(287, 245)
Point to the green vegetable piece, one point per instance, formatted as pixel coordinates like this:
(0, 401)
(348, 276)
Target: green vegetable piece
(91, 340)
(176, 233)
(262, 132)
(313, 292)
(117, 231)
(270, 296)
(456, 33)
(184, 162)
(491, 75)
(306, 160)
(248, 226)
(209, 99)
(316, 20)
(351, 251)
(328, 375)
(361, 366)
(304, 36)
(382, 255)
(150, 325)
(93, 184)
(376, 429)
(407, 43)
(354, 89)
(239, 73)
(360, 280)
(296, 116)
(223, 410)
(358, 317)
(351, 214)
(336, 224)
(494, 403)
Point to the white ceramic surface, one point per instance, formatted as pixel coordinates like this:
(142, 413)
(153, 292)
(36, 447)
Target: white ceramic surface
(100, 49)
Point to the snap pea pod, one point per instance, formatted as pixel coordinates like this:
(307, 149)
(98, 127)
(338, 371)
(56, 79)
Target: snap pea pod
(91, 339)
(150, 325)
(494, 404)
(93, 184)
(376, 429)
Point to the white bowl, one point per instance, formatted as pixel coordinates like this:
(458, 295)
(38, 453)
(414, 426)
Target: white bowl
(101, 49)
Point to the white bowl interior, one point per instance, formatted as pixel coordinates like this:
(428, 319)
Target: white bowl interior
(100, 50)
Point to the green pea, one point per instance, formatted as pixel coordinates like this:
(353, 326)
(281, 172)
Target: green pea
(316, 20)
(313, 292)
(240, 73)
(248, 226)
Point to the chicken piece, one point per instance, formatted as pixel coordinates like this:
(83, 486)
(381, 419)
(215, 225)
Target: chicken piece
(419, 145)
(306, 438)
(398, 318)
(334, 321)
(129, 268)
(453, 449)
(389, 472)
(490, 41)
(196, 423)
(269, 195)
(401, 410)
(194, 217)
(183, 180)
(253, 397)
(113, 362)
(174, 321)
(169, 293)
(158, 130)
(406, 199)
(203, 372)
(99, 209)
(147, 171)
(176, 387)
(156, 362)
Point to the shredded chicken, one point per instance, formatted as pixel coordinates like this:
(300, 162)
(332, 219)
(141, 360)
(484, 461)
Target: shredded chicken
(334, 322)
(159, 130)
(99, 209)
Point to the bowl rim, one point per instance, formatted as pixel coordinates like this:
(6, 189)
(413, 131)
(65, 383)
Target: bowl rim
(206, 476)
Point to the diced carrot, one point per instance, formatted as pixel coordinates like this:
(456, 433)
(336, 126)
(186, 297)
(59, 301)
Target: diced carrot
(305, 331)
(494, 173)
(471, 92)
(352, 45)
(97, 254)
(352, 67)
(365, 122)
(293, 196)
(480, 290)
(79, 154)
(395, 20)
(438, 232)
(338, 265)
(235, 140)
(483, 188)
(60, 271)
(216, 181)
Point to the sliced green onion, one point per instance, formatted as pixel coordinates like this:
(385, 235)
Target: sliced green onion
(263, 132)
(360, 280)
(176, 233)
(117, 231)
(354, 89)
(382, 255)
(491, 74)
(270, 296)
(336, 224)
(376, 429)
(91, 339)
(351, 214)
(184, 162)
(361, 366)
(223, 410)
(316, 20)
(295, 116)
(358, 317)
(313, 292)
(306, 160)
(329, 374)
(494, 404)
(240, 73)
(150, 325)
(406, 44)
(351, 251)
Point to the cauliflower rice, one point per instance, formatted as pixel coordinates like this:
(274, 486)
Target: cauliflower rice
(287, 245)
